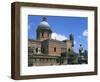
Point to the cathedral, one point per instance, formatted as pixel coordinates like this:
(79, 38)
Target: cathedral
(45, 51)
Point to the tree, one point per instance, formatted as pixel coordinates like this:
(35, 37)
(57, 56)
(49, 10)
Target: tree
(85, 56)
(72, 57)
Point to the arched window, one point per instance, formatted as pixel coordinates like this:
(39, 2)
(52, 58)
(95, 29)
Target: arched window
(55, 49)
(42, 34)
(43, 50)
(36, 50)
(69, 49)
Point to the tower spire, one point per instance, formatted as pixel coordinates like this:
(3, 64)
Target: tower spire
(72, 39)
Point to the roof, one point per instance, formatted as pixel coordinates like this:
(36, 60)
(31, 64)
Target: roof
(32, 40)
(53, 41)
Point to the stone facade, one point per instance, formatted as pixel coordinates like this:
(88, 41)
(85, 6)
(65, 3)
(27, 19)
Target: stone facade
(45, 51)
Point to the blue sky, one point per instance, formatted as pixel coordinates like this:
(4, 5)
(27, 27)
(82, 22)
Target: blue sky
(62, 26)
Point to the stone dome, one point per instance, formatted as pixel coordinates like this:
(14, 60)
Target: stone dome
(44, 26)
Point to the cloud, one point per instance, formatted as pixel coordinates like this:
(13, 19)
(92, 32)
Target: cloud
(80, 37)
(75, 42)
(29, 27)
(58, 36)
(85, 33)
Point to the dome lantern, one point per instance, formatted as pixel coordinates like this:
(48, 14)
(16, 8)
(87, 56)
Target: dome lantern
(44, 19)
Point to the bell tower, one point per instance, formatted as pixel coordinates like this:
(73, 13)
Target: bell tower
(71, 37)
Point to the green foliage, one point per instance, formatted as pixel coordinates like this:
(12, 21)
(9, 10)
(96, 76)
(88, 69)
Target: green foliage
(72, 58)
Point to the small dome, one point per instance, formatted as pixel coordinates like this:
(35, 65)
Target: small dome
(44, 25)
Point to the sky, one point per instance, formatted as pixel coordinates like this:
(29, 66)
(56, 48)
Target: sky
(62, 27)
